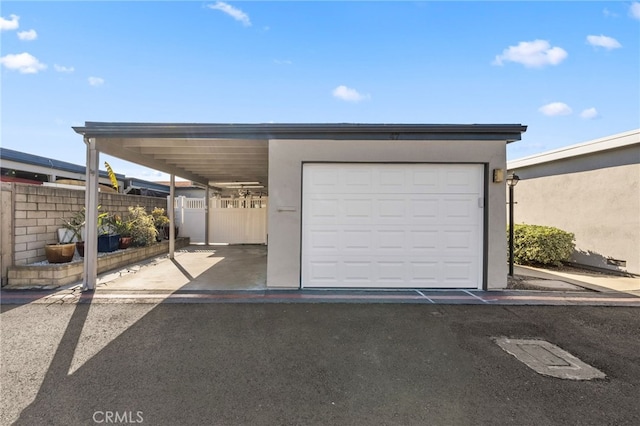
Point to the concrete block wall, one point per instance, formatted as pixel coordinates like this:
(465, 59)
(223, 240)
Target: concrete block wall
(37, 213)
(6, 229)
(53, 276)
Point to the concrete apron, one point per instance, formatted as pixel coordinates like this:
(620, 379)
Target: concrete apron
(235, 267)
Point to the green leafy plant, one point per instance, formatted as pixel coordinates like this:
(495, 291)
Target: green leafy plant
(75, 225)
(160, 219)
(120, 225)
(543, 245)
(77, 222)
(143, 229)
(112, 176)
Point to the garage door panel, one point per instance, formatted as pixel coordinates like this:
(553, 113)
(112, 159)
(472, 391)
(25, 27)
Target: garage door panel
(460, 210)
(323, 209)
(404, 273)
(324, 273)
(392, 226)
(324, 240)
(357, 271)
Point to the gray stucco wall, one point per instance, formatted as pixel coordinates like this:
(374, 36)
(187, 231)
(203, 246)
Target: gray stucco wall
(592, 197)
(285, 191)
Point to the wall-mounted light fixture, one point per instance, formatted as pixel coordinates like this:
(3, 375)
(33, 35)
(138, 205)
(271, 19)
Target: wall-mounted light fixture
(498, 175)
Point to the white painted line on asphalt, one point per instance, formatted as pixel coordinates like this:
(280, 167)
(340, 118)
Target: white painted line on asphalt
(473, 295)
(425, 296)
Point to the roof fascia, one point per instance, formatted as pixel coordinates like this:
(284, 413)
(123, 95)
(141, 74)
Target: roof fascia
(508, 132)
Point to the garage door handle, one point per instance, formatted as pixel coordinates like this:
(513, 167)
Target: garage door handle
(481, 202)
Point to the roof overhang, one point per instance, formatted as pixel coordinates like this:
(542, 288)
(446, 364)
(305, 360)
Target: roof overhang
(205, 153)
(609, 143)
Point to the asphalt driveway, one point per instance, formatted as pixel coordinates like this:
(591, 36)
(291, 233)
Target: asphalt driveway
(327, 364)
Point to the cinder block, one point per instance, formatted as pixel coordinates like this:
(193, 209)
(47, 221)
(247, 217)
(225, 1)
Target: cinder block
(34, 245)
(63, 207)
(15, 282)
(20, 214)
(46, 273)
(22, 198)
(36, 229)
(47, 207)
(20, 231)
(25, 238)
(26, 222)
(26, 206)
(36, 214)
(36, 198)
(19, 249)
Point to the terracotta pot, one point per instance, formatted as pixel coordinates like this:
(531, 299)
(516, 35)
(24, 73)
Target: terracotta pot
(125, 242)
(60, 253)
(80, 247)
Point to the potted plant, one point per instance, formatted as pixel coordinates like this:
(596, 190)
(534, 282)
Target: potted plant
(108, 238)
(72, 231)
(68, 236)
(122, 226)
(160, 220)
(162, 223)
(143, 229)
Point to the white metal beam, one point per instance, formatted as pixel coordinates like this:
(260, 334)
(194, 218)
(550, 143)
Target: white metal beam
(172, 214)
(91, 216)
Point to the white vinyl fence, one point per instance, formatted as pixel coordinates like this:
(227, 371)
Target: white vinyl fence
(231, 220)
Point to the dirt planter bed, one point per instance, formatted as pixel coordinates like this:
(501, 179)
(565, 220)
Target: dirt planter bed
(49, 276)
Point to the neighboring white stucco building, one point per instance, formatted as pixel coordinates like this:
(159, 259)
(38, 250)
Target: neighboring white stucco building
(591, 189)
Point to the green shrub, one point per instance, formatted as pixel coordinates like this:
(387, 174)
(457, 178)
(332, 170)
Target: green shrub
(546, 245)
(143, 229)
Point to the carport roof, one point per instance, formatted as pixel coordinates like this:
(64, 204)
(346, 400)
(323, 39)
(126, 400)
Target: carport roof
(207, 153)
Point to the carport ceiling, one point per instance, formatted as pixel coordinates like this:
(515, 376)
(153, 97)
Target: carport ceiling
(208, 153)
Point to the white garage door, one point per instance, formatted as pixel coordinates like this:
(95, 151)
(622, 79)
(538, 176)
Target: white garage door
(392, 225)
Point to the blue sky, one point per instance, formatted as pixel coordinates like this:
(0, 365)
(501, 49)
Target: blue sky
(568, 70)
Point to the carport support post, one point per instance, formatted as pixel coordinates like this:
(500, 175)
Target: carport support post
(206, 216)
(91, 216)
(172, 218)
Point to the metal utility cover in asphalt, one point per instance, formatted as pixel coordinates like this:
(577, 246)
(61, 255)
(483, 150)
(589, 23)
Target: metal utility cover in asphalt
(548, 359)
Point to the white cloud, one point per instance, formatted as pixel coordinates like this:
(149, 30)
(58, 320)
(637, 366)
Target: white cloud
(533, 54)
(28, 35)
(9, 24)
(603, 41)
(606, 12)
(22, 62)
(347, 94)
(61, 68)
(235, 13)
(555, 108)
(634, 10)
(283, 61)
(589, 114)
(96, 81)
